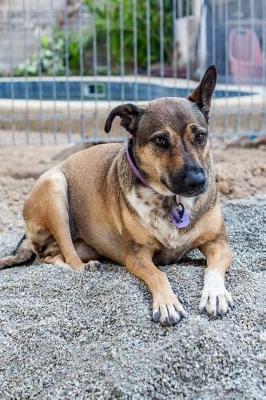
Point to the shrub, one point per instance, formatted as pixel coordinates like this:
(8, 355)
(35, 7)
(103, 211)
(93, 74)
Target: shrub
(63, 50)
(54, 54)
(99, 9)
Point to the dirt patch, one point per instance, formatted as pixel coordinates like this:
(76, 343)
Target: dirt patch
(27, 161)
(19, 169)
(240, 172)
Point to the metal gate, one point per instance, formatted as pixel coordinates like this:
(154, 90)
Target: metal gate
(65, 63)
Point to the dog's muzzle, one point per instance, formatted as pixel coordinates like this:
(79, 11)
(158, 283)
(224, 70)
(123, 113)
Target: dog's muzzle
(191, 182)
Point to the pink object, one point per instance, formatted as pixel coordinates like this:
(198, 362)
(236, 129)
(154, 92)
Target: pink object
(245, 55)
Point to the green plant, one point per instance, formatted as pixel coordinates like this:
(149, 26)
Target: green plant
(63, 49)
(54, 54)
(99, 10)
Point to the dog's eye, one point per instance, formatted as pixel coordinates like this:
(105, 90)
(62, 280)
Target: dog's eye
(201, 137)
(161, 141)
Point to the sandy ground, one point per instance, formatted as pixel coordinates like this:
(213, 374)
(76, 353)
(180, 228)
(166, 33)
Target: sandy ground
(89, 335)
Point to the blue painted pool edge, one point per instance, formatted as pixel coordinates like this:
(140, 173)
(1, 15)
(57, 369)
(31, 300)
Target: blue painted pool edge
(89, 90)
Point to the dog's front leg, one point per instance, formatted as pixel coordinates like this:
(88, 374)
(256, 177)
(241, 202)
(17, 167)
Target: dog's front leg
(166, 307)
(215, 299)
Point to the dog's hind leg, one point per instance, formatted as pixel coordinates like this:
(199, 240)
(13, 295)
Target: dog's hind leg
(49, 251)
(85, 252)
(88, 255)
(57, 260)
(47, 209)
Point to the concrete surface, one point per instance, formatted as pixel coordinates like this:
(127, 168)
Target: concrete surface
(67, 335)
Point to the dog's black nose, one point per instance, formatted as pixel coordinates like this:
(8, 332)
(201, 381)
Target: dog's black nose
(190, 181)
(194, 180)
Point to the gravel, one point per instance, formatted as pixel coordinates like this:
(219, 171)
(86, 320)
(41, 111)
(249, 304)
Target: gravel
(89, 335)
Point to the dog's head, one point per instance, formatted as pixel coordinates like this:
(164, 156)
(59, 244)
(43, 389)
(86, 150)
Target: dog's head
(170, 139)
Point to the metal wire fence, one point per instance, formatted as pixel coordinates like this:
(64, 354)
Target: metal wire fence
(65, 63)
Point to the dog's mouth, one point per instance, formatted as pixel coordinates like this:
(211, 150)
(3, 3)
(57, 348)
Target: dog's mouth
(197, 191)
(193, 193)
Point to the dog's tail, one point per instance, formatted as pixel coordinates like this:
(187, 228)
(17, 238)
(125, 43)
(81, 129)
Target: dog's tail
(22, 253)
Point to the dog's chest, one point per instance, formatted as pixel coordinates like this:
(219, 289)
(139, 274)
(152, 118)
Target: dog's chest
(156, 217)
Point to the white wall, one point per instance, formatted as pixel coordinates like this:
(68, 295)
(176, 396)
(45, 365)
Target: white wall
(187, 31)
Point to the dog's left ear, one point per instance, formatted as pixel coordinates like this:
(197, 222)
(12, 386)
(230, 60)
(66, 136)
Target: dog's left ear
(129, 114)
(203, 93)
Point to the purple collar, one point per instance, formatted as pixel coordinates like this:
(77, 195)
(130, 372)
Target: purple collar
(180, 218)
(135, 169)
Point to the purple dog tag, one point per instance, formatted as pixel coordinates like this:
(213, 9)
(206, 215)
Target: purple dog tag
(179, 220)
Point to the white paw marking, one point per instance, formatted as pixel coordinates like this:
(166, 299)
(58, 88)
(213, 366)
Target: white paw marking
(215, 298)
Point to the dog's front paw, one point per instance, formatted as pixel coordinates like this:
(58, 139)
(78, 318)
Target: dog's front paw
(167, 309)
(215, 299)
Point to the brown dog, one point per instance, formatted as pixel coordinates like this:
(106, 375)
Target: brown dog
(145, 203)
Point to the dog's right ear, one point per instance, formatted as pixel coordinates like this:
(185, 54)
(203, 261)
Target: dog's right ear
(129, 114)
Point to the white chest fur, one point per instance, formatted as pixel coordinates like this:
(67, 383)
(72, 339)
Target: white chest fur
(149, 207)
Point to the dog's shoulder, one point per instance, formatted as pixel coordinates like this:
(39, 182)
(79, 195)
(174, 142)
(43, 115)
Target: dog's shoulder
(100, 152)
(92, 163)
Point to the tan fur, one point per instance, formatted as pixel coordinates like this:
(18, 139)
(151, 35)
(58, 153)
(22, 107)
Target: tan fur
(104, 220)
(92, 206)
